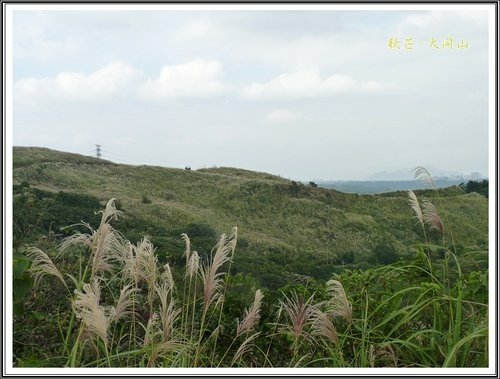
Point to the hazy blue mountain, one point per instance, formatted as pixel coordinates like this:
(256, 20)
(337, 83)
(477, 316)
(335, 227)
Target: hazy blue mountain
(381, 186)
(408, 174)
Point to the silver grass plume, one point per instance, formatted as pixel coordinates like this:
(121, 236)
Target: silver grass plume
(110, 212)
(300, 313)
(252, 315)
(382, 354)
(168, 313)
(105, 243)
(42, 265)
(233, 240)
(244, 348)
(371, 355)
(432, 218)
(125, 302)
(210, 275)
(338, 304)
(187, 242)
(86, 307)
(130, 271)
(146, 266)
(323, 326)
(414, 204)
(82, 239)
(422, 175)
(151, 330)
(193, 265)
(167, 277)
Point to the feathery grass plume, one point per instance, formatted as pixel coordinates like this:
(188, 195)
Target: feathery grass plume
(160, 350)
(193, 265)
(323, 326)
(338, 304)
(432, 218)
(371, 355)
(231, 245)
(187, 250)
(110, 212)
(210, 276)
(233, 239)
(413, 201)
(105, 244)
(168, 313)
(82, 239)
(166, 276)
(42, 265)
(153, 341)
(422, 175)
(300, 312)
(252, 315)
(146, 266)
(244, 348)
(382, 354)
(125, 302)
(387, 354)
(130, 271)
(86, 307)
(151, 330)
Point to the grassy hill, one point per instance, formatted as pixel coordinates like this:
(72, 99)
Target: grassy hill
(283, 226)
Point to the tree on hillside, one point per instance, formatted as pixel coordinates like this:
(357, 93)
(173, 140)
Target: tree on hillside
(480, 187)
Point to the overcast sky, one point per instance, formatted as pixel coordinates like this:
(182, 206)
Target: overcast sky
(302, 94)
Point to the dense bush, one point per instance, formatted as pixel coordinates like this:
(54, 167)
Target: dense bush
(476, 186)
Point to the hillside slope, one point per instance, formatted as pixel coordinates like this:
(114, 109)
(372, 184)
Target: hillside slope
(283, 226)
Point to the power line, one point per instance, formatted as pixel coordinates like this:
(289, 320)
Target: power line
(117, 159)
(121, 157)
(134, 158)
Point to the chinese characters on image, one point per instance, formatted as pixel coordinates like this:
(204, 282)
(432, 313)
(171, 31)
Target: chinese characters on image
(408, 43)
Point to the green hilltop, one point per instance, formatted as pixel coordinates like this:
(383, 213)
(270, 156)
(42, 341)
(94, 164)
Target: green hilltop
(283, 226)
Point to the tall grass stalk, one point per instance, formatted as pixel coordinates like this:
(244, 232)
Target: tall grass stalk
(233, 239)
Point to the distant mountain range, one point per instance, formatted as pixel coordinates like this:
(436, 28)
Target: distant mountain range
(436, 173)
(382, 186)
(400, 180)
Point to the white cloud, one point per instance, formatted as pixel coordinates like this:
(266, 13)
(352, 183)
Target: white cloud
(281, 116)
(193, 79)
(195, 30)
(425, 19)
(308, 83)
(104, 83)
(198, 78)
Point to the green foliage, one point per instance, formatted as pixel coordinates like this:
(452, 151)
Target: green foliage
(476, 186)
(22, 283)
(37, 212)
(410, 308)
(30, 206)
(386, 254)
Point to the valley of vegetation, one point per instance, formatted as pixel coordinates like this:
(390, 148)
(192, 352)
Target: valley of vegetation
(142, 266)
